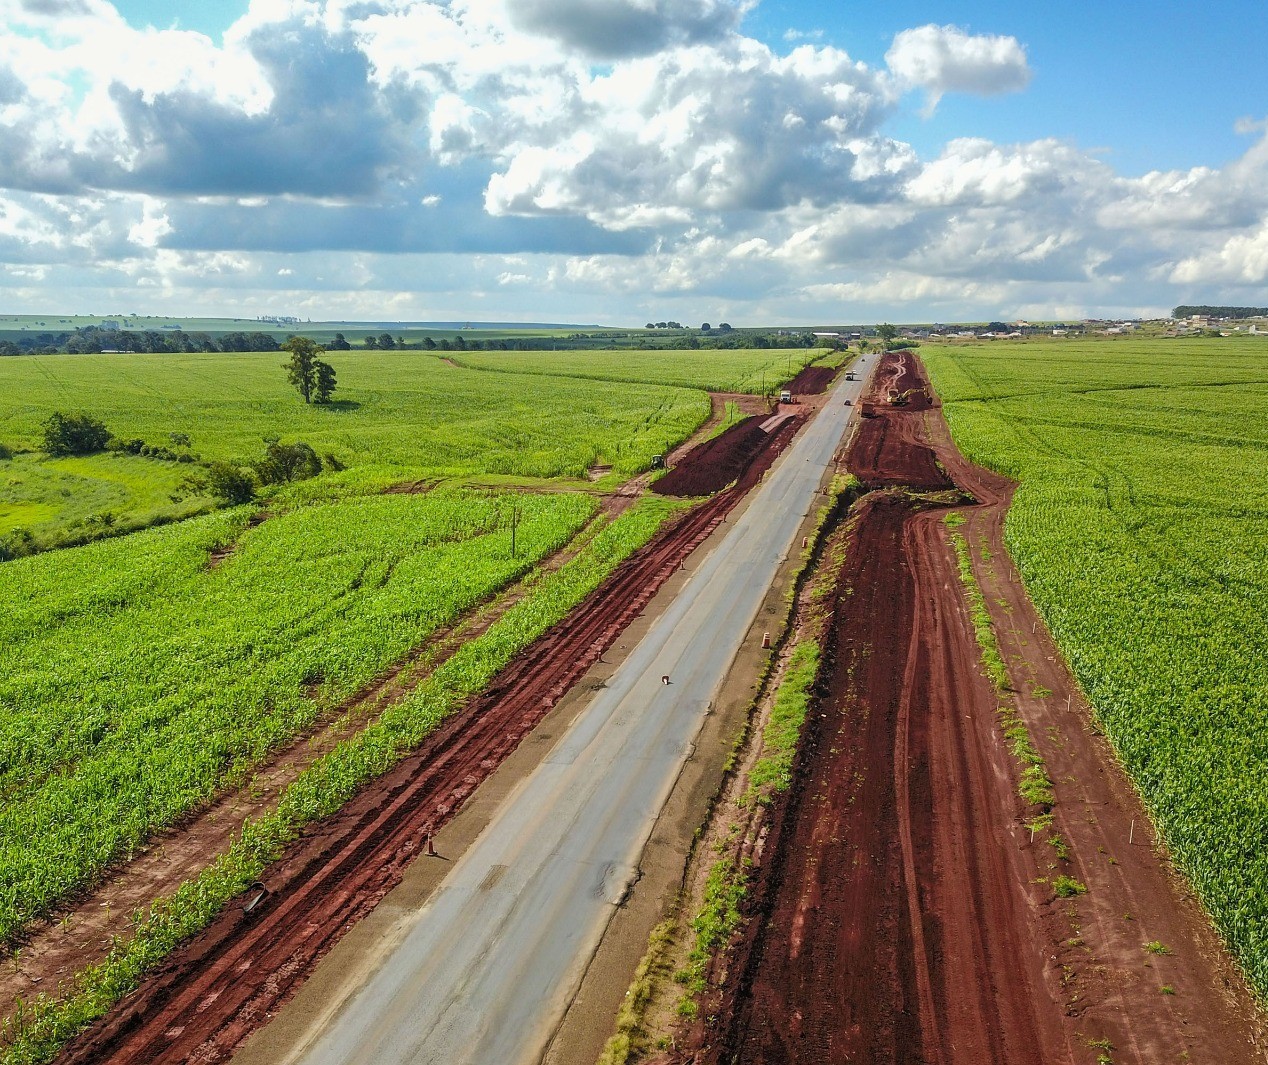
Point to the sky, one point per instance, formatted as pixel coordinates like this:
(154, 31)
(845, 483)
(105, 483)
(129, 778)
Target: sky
(761, 162)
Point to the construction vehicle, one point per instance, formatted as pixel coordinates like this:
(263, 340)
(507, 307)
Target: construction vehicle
(658, 462)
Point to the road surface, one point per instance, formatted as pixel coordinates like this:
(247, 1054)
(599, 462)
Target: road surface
(482, 973)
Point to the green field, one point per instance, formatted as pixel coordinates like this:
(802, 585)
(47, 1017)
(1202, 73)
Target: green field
(1141, 531)
(719, 371)
(406, 414)
(143, 672)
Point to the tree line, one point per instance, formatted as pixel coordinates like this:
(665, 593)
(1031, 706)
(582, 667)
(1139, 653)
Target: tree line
(1185, 311)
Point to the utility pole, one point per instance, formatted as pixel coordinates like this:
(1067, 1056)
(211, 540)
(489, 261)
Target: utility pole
(515, 517)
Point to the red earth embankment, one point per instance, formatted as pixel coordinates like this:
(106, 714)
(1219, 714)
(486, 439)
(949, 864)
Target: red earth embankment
(711, 466)
(811, 381)
(901, 910)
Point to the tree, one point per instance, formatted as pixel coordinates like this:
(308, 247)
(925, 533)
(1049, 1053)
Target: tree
(429, 344)
(386, 342)
(706, 328)
(371, 342)
(230, 484)
(887, 333)
(324, 387)
(74, 434)
(283, 463)
(310, 376)
(340, 343)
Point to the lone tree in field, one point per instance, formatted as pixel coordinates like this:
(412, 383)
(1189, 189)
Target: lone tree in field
(887, 333)
(313, 378)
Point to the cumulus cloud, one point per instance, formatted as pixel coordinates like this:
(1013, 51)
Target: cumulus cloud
(943, 59)
(625, 157)
(621, 29)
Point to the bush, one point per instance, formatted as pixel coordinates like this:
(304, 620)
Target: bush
(283, 463)
(74, 434)
(230, 484)
(1067, 887)
(5, 452)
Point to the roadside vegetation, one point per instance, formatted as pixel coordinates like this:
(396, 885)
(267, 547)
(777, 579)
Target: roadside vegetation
(1141, 532)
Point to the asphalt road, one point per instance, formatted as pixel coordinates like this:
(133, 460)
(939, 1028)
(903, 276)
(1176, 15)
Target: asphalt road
(482, 974)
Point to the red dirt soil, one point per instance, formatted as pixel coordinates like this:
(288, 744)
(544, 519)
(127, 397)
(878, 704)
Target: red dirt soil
(711, 466)
(900, 911)
(811, 381)
(213, 993)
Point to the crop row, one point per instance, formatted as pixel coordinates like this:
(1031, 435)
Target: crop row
(140, 675)
(1142, 537)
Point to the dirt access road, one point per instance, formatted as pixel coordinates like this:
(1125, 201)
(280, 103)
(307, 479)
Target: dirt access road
(484, 971)
(903, 913)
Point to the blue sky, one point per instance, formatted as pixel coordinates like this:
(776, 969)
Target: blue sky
(614, 160)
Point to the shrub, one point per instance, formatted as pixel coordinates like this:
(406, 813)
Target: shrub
(1067, 887)
(283, 463)
(230, 484)
(74, 434)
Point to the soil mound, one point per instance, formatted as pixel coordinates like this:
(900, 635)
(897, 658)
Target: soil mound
(811, 381)
(711, 466)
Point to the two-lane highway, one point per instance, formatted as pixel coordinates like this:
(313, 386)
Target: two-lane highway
(483, 972)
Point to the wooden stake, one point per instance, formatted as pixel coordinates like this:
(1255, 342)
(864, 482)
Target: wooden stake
(1132, 834)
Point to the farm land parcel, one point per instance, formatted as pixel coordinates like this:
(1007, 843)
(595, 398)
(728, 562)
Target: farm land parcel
(396, 415)
(144, 674)
(1141, 531)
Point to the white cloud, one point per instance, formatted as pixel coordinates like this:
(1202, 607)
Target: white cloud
(472, 156)
(943, 59)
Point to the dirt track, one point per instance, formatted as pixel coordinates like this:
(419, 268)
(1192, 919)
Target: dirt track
(212, 994)
(900, 913)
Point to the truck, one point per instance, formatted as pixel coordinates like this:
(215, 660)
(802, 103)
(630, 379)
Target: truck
(849, 375)
(785, 396)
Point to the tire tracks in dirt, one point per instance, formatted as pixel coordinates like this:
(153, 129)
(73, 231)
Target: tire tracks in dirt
(899, 914)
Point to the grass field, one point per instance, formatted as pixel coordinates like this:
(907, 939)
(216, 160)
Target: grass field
(719, 371)
(1141, 530)
(405, 411)
(141, 673)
